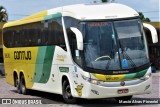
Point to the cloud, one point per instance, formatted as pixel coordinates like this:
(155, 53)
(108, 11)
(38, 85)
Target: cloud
(149, 7)
(19, 8)
(153, 4)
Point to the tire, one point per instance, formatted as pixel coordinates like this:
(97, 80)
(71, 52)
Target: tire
(23, 86)
(125, 98)
(17, 84)
(67, 96)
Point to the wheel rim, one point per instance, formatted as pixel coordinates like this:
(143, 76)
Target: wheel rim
(68, 92)
(17, 82)
(23, 86)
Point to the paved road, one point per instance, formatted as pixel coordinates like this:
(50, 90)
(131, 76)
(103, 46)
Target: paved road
(7, 91)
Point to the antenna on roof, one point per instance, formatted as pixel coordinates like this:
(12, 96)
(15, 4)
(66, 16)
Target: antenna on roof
(105, 1)
(95, 1)
(102, 1)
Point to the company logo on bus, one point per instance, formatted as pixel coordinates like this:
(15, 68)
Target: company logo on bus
(22, 55)
(122, 83)
(120, 72)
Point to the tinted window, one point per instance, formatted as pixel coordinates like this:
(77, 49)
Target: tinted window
(44, 33)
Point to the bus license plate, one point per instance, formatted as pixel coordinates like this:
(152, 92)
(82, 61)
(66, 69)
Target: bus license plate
(121, 91)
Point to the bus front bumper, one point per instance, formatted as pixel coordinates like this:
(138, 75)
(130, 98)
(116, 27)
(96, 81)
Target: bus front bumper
(96, 91)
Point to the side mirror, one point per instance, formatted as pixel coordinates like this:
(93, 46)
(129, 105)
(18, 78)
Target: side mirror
(79, 38)
(153, 32)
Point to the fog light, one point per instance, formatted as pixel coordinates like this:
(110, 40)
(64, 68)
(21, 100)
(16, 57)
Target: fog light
(93, 81)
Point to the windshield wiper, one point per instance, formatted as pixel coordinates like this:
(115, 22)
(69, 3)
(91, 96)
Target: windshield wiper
(128, 58)
(112, 54)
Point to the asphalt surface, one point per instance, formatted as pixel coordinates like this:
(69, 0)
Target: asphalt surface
(49, 99)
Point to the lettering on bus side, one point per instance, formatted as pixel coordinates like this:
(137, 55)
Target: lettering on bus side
(7, 55)
(22, 55)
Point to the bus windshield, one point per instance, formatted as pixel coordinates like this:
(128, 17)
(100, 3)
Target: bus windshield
(114, 45)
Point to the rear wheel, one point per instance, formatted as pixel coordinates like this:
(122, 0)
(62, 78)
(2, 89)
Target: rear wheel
(23, 85)
(125, 98)
(67, 96)
(17, 84)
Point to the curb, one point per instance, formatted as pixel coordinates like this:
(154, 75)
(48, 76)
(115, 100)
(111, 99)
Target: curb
(2, 76)
(156, 74)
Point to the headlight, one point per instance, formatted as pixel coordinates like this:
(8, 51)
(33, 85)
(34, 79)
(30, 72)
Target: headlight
(147, 76)
(93, 81)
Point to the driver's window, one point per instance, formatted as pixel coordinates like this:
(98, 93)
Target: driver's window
(76, 55)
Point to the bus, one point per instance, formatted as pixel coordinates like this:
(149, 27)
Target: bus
(79, 51)
(154, 49)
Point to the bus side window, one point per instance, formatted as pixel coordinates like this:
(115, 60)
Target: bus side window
(46, 37)
(43, 37)
(6, 37)
(12, 37)
(73, 47)
(58, 33)
(72, 40)
(62, 41)
(25, 38)
(52, 36)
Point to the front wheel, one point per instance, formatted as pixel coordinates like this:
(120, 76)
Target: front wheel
(67, 96)
(125, 98)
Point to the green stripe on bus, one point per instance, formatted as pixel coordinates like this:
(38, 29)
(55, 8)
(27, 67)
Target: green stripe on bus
(135, 75)
(47, 64)
(141, 74)
(39, 63)
(130, 76)
(53, 16)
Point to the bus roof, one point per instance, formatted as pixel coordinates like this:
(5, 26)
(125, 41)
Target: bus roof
(100, 11)
(82, 12)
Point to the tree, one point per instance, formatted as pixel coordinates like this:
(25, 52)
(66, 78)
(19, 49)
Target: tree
(3, 14)
(144, 19)
(105, 0)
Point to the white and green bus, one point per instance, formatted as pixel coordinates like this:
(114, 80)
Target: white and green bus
(79, 51)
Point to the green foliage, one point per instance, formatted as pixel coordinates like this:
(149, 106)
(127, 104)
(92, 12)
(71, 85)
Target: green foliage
(3, 14)
(143, 18)
(105, 0)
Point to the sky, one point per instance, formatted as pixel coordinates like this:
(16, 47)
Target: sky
(18, 9)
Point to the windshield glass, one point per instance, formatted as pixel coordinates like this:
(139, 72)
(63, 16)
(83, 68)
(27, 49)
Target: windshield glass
(133, 51)
(114, 45)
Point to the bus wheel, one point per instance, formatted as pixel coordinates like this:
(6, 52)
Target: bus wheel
(125, 98)
(23, 85)
(67, 96)
(17, 84)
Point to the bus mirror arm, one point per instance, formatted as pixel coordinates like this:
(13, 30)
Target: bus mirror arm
(153, 32)
(79, 38)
